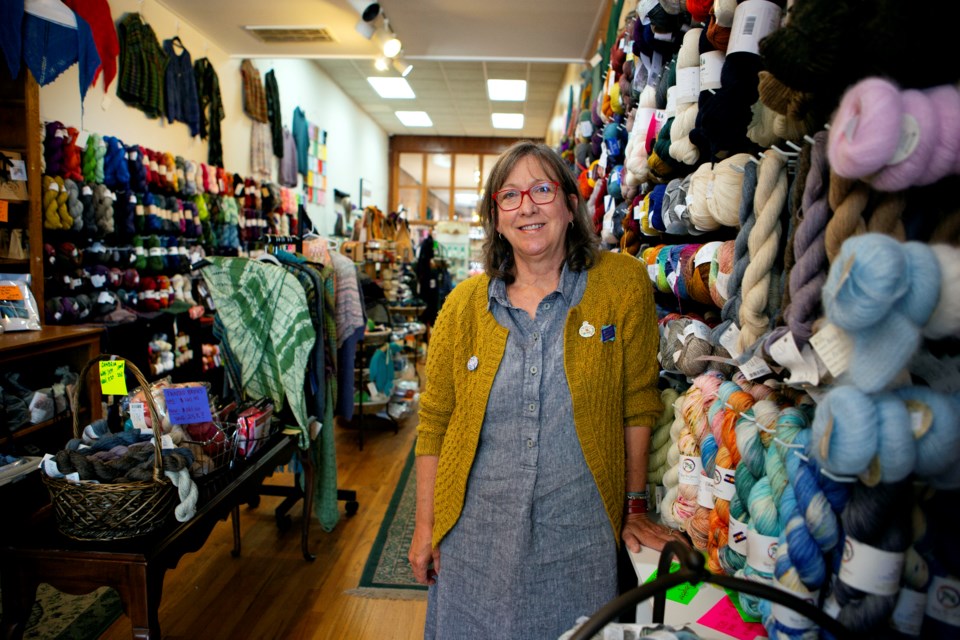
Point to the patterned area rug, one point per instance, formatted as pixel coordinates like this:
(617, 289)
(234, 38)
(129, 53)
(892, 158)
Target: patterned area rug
(59, 616)
(387, 573)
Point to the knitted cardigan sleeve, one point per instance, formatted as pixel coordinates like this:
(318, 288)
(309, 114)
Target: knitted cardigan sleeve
(641, 396)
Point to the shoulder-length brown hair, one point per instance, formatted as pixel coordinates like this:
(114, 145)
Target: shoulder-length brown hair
(581, 241)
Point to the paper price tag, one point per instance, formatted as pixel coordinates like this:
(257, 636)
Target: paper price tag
(10, 292)
(187, 405)
(834, 347)
(138, 416)
(113, 379)
(4, 211)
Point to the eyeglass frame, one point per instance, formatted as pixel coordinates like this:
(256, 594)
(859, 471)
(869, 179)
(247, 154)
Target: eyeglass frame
(526, 192)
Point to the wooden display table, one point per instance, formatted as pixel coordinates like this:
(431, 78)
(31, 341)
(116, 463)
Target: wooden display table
(135, 568)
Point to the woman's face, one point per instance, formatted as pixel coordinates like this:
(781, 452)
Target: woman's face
(535, 231)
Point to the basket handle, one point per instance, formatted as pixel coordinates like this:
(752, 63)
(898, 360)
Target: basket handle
(148, 397)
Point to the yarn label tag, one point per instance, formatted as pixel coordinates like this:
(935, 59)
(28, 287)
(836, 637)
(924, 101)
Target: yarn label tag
(784, 351)
(696, 329)
(651, 269)
(943, 601)
(705, 254)
(753, 21)
(909, 137)
(658, 496)
(711, 66)
(730, 340)
(723, 283)
(671, 109)
(113, 379)
(724, 483)
(907, 617)
(737, 536)
(870, 569)
(50, 466)
(761, 551)
(834, 347)
(688, 85)
(705, 494)
(689, 471)
(138, 416)
(755, 368)
(644, 8)
(788, 616)
(187, 405)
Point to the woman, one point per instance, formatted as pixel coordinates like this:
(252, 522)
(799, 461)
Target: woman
(535, 421)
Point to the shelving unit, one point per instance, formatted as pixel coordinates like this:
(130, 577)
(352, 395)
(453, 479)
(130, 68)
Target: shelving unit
(20, 132)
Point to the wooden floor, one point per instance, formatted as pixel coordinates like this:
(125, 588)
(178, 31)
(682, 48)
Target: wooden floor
(271, 591)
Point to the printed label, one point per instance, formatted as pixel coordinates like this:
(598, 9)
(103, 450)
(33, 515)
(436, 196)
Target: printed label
(645, 6)
(834, 347)
(705, 495)
(652, 271)
(658, 493)
(943, 601)
(723, 285)
(711, 67)
(870, 569)
(705, 254)
(696, 329)
(802, 371)
(138, 416)
(907, 617)
(755, 368)
(737, 536)
(753, 21)
(909, 137)
(724, 483)
(671, 109)
(788, 616)
(689, 471)
(688, 85)
(761, 551)
(730, 340)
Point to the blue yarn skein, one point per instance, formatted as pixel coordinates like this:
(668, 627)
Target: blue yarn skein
(844, 431)
(882, 292)
(938, 442)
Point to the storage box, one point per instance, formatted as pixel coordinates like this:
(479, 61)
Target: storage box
(13, 176)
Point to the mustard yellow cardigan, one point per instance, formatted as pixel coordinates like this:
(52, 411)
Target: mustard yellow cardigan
(613, 384)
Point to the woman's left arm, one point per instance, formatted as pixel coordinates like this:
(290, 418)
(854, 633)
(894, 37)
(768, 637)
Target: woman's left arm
(638, 530)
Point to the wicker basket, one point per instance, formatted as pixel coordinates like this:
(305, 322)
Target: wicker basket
(89, 511)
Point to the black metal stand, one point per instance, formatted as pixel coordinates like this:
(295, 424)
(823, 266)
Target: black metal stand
(693, 570)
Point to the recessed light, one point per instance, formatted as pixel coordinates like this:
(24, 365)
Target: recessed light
(396, 88)
(507, 120)
(507, 90)
(414, 118)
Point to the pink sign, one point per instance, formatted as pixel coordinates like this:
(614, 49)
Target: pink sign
(723, 617)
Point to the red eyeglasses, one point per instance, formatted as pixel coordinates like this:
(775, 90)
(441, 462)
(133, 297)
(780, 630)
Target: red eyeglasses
(540, 193)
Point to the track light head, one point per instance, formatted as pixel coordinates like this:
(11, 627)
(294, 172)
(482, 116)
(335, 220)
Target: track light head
(368, 10)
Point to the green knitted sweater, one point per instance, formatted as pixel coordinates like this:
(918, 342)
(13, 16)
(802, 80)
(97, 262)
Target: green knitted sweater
(613, 384)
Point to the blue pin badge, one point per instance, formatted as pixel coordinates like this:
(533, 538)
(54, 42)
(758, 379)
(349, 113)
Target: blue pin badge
(608, 333)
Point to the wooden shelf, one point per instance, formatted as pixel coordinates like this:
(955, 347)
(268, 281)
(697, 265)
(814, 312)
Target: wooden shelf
(17, 261)
(23, 432)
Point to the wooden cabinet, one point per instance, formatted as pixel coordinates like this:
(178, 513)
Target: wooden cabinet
(47, 349)
(20, 133)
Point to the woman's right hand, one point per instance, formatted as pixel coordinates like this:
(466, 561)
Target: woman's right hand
(424, 559)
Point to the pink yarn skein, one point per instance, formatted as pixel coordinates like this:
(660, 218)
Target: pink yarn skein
(857, 149)
(915, 166)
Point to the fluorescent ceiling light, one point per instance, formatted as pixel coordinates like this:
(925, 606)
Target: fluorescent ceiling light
(507, 120)
(392, 88)
(414, 118)
(512, 90)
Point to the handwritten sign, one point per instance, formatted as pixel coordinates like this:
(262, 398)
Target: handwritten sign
(113, 379)
(187, 405)
(4, 211)
(723, 617)
(682, 593)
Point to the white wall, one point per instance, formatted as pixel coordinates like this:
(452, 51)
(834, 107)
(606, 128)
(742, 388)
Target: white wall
(356, 146)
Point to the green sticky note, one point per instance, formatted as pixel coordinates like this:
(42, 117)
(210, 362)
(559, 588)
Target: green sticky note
(682, 593)
(113, 379)
(735, 599)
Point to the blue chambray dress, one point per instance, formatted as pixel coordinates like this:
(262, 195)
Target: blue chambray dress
(533, 549)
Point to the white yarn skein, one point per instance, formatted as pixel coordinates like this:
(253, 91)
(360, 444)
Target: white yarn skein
(671, 479)
(187, 492)
(724, 201)
(635, 158)
(701, 187)
(681, 149)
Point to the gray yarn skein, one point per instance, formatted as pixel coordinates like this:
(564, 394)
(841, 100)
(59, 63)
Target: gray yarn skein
(809, 246)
